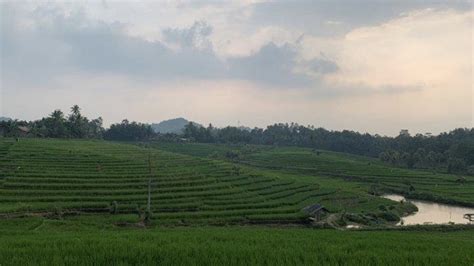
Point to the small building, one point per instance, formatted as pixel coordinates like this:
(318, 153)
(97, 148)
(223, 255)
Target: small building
(315, 211)
(23, 131)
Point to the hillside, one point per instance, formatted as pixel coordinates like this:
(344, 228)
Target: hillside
(312, 165)
(2, 118)
(175, 126)
(89, 176)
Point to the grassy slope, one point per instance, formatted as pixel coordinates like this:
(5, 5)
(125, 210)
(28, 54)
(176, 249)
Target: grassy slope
(45, 175)
(86, 241)
(307, 165)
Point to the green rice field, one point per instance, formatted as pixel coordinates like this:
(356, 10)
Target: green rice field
(78, 202)
(87, 241)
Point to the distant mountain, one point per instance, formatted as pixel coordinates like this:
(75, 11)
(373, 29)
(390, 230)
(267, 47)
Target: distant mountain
(171, 126)
(2, 118)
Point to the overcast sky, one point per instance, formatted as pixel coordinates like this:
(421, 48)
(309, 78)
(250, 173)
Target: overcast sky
(372, 66)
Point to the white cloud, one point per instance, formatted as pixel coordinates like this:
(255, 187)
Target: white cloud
(60, 43)
(424, 48)
(370, 73)
(425, 55)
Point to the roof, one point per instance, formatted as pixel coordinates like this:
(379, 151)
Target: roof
(314, 208)
(24, 129)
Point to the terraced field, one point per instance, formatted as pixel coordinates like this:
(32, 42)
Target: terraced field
(58, 200)
(88, 176)
(311, 165)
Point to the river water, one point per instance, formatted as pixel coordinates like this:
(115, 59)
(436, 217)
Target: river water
(433, 213)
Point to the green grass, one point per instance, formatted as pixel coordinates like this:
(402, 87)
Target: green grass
(310, 165)
(196, 184)
(87, 176)
(93, 241)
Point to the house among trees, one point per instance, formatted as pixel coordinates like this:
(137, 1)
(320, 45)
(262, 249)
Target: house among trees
(315, 211)
(23, 131)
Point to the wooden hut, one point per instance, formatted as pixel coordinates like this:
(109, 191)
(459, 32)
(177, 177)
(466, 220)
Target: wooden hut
(315, 211)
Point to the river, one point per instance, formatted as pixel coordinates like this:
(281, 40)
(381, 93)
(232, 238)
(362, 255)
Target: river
(432, 213)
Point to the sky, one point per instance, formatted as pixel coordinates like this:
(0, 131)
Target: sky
(368, 65)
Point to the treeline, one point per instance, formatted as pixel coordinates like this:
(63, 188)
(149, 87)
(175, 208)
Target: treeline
(56, 125)
(452, 152)
(76, 126)
(129, 131)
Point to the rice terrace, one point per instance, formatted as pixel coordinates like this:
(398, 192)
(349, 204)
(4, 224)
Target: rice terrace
(53, 191)
(242, 132)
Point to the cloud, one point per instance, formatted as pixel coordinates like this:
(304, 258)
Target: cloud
(416, 68)
(368, 65)
(272, 64)
(423, 49)
(326, 18)
(53, 44)
(195, 37)
(322, 65)
(58, 44)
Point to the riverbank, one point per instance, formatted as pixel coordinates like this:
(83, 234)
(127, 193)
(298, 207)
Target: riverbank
(432, 212)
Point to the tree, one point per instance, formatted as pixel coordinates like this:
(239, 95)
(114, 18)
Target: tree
(456, 165)
(56, 125)
(95, 128)
(75, 112)
(127, 131)
(77, 123)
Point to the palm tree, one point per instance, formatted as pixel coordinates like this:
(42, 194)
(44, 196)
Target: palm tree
(76, 111)
(76, 124)
(56, 124)
(57, 115)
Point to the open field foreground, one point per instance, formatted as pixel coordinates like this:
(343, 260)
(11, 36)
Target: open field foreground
(37, 241)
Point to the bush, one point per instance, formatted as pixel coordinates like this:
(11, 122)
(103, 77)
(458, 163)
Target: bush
(388, 216)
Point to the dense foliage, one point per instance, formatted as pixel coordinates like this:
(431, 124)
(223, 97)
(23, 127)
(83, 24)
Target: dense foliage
(453, 151)
(75, 125)
(129, 131)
